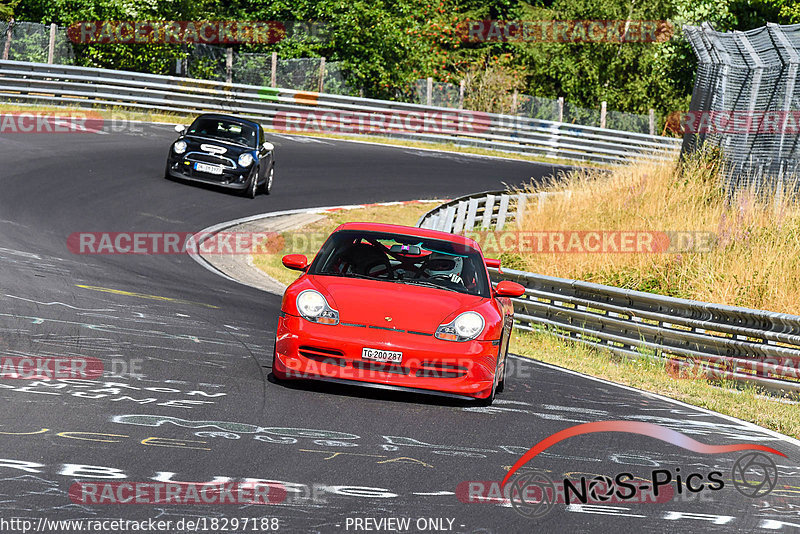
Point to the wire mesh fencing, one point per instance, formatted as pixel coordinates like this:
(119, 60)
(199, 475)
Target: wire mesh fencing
(29, 41)
(746, 102)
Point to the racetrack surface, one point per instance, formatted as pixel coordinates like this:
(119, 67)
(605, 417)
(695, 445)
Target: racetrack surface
(203, 345)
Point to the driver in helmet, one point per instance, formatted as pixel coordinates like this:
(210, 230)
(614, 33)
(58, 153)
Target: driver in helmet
(444, 266)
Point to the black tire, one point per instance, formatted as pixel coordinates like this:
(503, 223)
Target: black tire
(166, 172)
(267, 187)
(252, 185)
(490, 399)
(502, 384)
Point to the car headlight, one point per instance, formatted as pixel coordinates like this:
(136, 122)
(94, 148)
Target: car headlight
(466, 326)
(179, 147)
(313, 307)
(245, 160)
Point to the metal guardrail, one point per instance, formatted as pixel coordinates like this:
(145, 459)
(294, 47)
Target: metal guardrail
(489, 211)
(713, 340)
(66, 85)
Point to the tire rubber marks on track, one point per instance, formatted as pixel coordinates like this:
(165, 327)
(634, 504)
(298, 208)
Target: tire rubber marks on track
(119, 330)
(56, 303)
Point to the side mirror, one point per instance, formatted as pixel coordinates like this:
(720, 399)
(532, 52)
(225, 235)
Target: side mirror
(180, 128)
(268, 146)
(296, 262)
(507, 288)
(490, 262)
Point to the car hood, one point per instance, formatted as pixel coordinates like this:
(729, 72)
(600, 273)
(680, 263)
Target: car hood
(198, 143)
(369, 302)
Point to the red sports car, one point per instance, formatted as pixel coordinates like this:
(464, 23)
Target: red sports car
(399, 308)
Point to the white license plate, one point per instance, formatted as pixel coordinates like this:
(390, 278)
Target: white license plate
(205, 167)
(381, 355)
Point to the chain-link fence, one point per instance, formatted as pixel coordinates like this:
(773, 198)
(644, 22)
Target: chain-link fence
(28, 41)
(746, 102)
(535, 107)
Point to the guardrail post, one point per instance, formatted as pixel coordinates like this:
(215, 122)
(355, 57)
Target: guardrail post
(521, 201)
(461, 94)
(603, 114)
(321, 74)
(7, 47)
(514, 100)
(51, 45)
(429, 92)
(652, 117)
(560, 109)
(273, 79)
(229, 65)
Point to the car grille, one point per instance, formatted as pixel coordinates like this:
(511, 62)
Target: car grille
(211, 158)
(424, 369)
(432, 369)
(332, 356)
(381, 367)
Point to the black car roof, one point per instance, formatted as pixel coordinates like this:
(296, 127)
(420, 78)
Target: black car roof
(227, 117)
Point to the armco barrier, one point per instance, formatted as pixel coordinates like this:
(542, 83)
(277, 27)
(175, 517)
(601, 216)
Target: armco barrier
(740, 344)
(488, 211)
(297, 111)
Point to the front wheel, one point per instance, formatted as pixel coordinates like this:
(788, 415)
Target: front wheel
(501, 385)
(267, 187)
(252, 185)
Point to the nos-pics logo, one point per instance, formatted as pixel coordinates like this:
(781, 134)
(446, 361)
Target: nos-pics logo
(533, 493)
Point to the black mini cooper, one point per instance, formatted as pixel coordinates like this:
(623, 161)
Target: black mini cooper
(225, 151)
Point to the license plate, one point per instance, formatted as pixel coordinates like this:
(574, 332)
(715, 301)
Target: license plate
(205, 167)
(381, 355)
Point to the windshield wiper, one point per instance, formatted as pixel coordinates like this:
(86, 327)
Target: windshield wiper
(429, 284)
(351, 275)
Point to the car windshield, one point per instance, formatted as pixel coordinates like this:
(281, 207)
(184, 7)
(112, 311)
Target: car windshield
(224, 129)
(404, 259)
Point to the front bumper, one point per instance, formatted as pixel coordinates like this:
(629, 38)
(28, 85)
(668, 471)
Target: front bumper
(182, 169)
(306, 350)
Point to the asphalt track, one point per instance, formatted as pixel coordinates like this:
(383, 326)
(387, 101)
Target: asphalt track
(202, 345)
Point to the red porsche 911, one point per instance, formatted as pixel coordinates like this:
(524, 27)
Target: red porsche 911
(399, 308)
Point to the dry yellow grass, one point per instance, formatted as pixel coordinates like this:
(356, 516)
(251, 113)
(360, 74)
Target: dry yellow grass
(754, 260)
